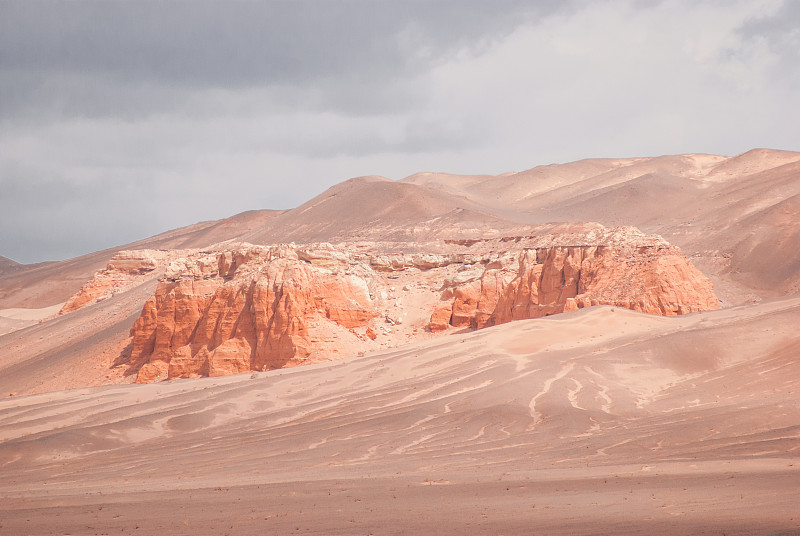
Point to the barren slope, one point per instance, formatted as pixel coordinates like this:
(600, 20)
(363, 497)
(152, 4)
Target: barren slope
(8, 265)
(733, 216)
(46, 284)
(77, 349)
(376, 208)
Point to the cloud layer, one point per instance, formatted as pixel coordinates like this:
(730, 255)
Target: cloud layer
(119, 120)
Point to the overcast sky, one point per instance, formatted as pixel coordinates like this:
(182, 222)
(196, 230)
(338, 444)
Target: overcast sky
(120, 120)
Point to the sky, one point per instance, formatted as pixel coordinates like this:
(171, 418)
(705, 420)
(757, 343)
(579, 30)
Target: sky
(123, 119)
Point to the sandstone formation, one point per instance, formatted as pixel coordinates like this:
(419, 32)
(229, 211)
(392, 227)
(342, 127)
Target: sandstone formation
(250, 308)
(124, 270)
(544, 281)
(254, 308)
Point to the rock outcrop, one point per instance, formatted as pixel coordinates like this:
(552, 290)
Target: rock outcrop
(123, 271)
(253, 308)
(543, 281)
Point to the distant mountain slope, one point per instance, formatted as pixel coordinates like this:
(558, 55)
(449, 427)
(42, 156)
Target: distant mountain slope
(376, 208)
(708, 205)
(513, 189)
(207, 233)
(645, 199)
(764, 247)
(733, 215)
(8, 265)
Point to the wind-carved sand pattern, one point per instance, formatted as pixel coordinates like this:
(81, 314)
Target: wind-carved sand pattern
(573, 394)
(435, 413)
(566, 369)
(602, 393)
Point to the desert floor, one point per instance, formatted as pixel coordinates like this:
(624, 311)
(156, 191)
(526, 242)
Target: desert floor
(600, 421)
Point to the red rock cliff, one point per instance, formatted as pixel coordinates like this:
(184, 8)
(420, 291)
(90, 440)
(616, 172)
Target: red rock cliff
(251, 309)
(256, 308)
(655, 279)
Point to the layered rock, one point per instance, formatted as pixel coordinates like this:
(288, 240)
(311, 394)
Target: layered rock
(654, 279)
(253, 308)
(123, 271)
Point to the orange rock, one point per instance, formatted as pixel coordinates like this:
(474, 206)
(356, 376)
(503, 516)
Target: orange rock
(152, 371)
(440, 319)
(230, 357)
(255, 308)
(250, 313)
(182, 364)
(125, 270)
(135, 261)
(88, 293)
(657, 280)
(465, 304)
(345, 300)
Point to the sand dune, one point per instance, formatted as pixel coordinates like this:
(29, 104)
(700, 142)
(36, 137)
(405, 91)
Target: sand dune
(599, 420)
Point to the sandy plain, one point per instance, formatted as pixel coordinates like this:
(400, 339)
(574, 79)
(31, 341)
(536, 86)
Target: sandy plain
(601, 421)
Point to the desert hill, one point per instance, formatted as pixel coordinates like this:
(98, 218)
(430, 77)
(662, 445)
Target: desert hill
(8, 265)
(534, 351)
(732, 217)
(259, 308)
(698, 202)
(237, 307)
(695, 201)
(692, 200)
(376, 208)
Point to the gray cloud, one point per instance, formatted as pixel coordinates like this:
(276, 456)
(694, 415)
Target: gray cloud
(780, 33)
(99, 57)
(47, 214)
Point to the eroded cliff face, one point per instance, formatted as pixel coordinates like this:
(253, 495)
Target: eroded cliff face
(654, 279)
(254, 308)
